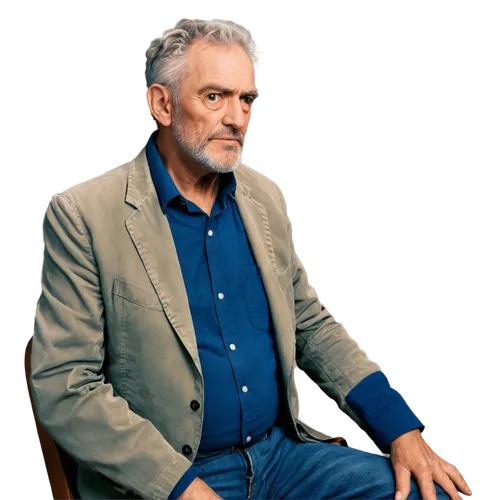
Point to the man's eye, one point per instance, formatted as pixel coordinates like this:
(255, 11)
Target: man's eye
(250, 99)
(213, 94)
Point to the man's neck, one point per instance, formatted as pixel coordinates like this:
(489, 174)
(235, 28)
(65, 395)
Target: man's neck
(192, 185)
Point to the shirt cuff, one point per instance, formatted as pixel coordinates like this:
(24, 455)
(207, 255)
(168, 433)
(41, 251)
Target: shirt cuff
(188, 477)
(382, 409)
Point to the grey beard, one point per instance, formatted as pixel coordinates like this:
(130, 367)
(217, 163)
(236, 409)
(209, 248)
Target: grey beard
(197, 152)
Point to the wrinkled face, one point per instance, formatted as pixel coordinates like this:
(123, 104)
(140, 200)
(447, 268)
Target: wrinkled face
(216, 97)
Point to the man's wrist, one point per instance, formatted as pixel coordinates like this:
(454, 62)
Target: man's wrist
(407, 436)
(190, 492)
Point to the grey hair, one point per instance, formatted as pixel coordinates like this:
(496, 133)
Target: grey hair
(166, 57)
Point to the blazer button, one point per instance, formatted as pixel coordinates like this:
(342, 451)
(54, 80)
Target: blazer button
(195, 405)
(186, 449)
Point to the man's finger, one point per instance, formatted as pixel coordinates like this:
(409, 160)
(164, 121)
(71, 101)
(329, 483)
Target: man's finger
(403, 478)
(457, 478)
(447, 484)
(426, 485)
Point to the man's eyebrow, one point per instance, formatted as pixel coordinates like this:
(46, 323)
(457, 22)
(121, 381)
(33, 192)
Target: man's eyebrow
(220, 88)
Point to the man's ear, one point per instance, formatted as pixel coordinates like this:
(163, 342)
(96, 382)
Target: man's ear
(160, 104)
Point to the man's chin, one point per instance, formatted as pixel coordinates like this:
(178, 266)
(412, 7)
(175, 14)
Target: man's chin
(220, 167)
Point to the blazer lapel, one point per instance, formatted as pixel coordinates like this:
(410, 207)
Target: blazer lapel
(150, 231)
(256, 223)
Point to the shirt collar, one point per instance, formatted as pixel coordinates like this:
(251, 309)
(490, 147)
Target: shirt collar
(164, 184)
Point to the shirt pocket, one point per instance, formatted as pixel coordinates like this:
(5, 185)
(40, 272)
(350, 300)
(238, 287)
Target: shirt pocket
(255, 297)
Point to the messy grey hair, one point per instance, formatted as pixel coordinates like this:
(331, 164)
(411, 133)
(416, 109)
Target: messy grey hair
(166, 57)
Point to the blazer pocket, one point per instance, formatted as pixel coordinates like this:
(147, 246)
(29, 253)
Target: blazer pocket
(255, 297)
(136, 294)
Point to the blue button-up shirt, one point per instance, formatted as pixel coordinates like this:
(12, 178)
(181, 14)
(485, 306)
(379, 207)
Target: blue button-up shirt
(234, 331)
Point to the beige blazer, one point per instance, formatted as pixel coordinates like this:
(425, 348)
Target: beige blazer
(115, 363)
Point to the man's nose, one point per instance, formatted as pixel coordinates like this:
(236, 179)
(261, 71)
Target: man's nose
(234, 114)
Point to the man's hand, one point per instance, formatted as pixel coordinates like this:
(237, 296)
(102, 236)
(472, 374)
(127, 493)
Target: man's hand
(410, 454)
(199, 490)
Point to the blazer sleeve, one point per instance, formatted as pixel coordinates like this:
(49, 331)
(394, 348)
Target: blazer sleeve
(343, 371)
(72, 399)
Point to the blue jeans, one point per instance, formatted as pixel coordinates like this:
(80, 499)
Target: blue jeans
(279, 466)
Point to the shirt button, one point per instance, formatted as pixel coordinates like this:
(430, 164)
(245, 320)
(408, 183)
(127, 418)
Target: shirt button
(244, 388)
(232, 347)
(186, 449)
(195, 405)
(249, 438)
(210, 232)
(221, 296)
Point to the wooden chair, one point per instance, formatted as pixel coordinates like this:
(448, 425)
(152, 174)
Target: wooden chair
(61, 468)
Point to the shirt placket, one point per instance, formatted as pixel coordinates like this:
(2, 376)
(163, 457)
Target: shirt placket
(224, 303)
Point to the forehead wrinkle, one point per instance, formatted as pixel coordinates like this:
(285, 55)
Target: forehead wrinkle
(200, 70)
